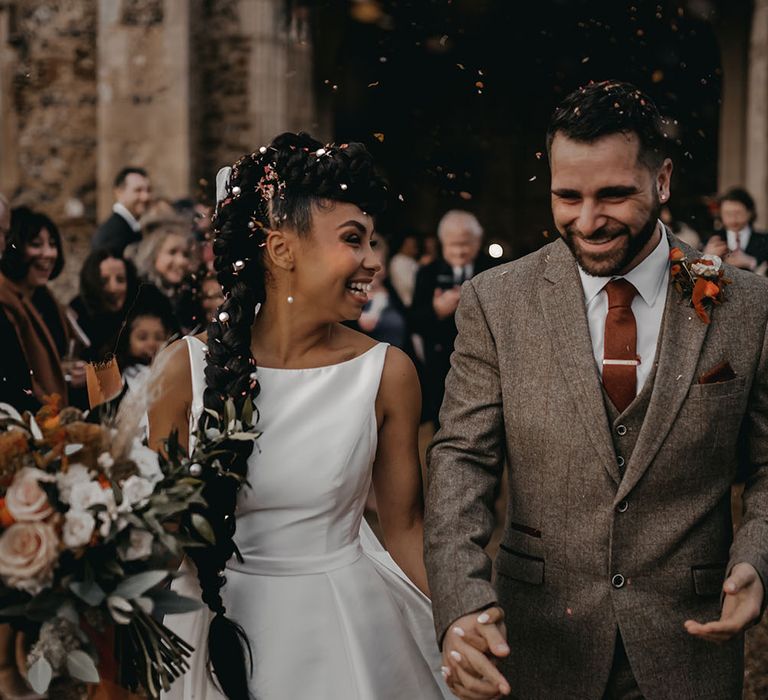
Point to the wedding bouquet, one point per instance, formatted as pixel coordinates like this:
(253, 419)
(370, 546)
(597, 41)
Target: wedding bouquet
(89, 532)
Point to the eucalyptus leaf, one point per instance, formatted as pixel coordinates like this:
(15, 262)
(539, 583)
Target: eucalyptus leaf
(134, 586)
(242, 436)
(88, 591)
(39, 675)
(230, 412)
(81, 666)
(203, 528)
(169, 602)
(248, 412)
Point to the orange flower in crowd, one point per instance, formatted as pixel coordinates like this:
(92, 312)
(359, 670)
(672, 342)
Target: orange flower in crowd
(13, 446)
(676, 254)
(704, 289)
(675, 269)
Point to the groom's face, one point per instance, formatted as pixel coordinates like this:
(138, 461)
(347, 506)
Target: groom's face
(606, 201)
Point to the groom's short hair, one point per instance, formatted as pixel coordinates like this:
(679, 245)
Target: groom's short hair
(611, 107)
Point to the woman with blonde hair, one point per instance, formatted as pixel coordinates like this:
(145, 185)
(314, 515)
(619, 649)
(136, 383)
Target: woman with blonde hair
(167, 258)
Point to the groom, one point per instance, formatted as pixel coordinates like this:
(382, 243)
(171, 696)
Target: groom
(623, 419)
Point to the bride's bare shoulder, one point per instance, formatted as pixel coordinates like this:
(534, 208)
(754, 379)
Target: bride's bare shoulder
(171, 369)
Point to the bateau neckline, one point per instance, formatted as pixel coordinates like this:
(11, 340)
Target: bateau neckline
(260, 368)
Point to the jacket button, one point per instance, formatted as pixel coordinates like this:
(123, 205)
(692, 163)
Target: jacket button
(617, 581)
(620, 461)
(621, 430)
(622, 507)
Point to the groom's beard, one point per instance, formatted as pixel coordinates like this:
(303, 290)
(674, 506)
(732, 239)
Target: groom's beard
(614, 261)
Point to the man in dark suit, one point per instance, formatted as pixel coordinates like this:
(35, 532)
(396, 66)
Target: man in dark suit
(739, 243)
(436, 296)
(132, 195)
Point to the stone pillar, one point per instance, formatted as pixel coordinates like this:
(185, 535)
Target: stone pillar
(733, 36)
(144, 114)
(280, 69)
(756, 171)
(9, 163)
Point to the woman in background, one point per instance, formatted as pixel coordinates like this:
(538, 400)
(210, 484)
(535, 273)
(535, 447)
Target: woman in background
(108, 287)
(167, 258)
(38, 348)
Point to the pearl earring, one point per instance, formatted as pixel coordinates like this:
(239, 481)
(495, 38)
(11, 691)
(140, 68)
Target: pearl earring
(290, 299)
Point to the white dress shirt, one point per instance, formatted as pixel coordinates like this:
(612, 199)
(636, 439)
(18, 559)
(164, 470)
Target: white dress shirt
(650, 278)
(742, 236)
(462, 274)
(123, 211)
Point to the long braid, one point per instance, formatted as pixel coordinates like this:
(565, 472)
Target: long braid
(275, 186)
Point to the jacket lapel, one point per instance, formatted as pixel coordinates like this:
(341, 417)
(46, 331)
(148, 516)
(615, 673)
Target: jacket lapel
(562, 301)
(681, 337)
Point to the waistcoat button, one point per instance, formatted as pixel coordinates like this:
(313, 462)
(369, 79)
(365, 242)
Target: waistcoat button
(617, 581)
(621, 430)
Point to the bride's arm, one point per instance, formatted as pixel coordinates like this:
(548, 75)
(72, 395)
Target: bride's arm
(396, 471)
(171, 395)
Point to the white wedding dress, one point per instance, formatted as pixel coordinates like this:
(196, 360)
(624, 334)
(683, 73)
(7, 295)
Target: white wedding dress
(328, 613)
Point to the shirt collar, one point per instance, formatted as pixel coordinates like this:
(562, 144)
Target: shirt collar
(123, 211)
(648, 277)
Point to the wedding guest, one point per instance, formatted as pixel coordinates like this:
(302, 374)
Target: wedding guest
(436, 298)
(108, 286)
(132, 195)
(5, 222)
(37, 342)
(429, 251)
(403, 268)
(739, 243)
(148, 327)
(384, 315)
(166, 258)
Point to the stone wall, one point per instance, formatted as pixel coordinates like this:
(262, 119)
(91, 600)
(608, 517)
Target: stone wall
(49, 155)
(180, 87)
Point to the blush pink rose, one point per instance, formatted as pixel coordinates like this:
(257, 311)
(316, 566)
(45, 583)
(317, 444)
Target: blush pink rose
(28, 556)
(25, 500)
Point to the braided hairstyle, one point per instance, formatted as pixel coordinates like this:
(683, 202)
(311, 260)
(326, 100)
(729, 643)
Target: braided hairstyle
(276, 186)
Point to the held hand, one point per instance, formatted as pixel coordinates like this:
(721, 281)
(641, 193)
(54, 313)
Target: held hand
(738, 258)
(716, 246)
(741, 607)
(469, 649)
(445, 302)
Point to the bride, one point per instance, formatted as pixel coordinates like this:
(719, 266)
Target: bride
(315, 608)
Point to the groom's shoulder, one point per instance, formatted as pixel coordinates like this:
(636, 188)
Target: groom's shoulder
(747, 291)
(520, 272)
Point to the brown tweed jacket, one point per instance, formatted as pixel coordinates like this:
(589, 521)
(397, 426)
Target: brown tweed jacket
(524, 388)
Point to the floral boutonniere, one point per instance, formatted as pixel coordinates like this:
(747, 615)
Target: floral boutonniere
(700, 280)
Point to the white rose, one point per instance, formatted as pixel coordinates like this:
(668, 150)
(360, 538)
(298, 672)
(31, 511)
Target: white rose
(105, 461)
(140, 546)
(28, 556)
(707, 266)
(78, 528)
(25, 500)
(86, 494)
(136, 491)
(146, 460)
(75, 474)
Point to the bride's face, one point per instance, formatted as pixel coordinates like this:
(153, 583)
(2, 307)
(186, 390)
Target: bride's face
(335, 264)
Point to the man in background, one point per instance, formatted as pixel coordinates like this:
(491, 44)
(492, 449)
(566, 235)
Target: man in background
(436, 296)
(132, 195)
(739, 243)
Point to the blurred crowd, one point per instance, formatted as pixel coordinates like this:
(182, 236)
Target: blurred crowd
(149, 279)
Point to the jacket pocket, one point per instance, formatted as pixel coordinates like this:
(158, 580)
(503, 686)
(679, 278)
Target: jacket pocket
(708, 579)
(716, 389)
(519, 566)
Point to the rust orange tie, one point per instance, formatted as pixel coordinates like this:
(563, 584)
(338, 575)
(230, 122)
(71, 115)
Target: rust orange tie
(620, 344)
